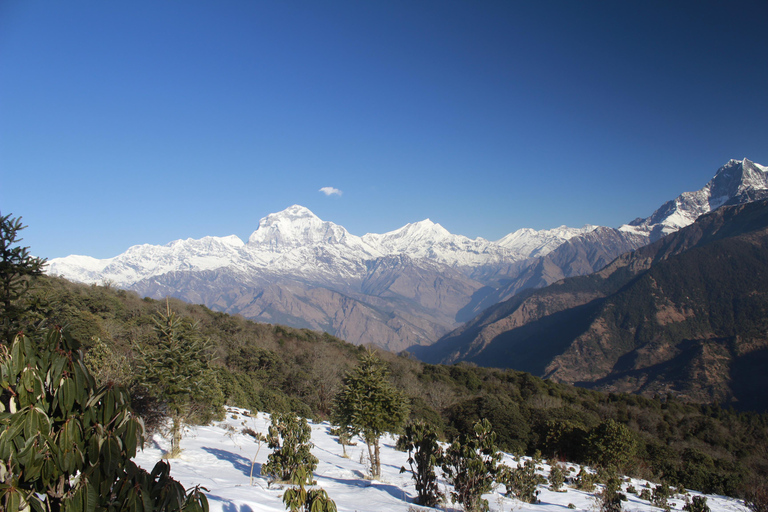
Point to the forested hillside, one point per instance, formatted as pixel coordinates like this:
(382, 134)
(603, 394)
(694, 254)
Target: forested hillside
(274, 368)
(685, 315)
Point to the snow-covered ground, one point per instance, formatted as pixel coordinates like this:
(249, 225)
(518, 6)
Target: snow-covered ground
(219, 457)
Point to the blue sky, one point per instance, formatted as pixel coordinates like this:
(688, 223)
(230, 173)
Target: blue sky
(144, 122)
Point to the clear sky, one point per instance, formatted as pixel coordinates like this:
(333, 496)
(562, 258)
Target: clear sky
(128, 122)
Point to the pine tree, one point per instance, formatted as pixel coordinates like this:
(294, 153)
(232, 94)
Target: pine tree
(16, 267)
(612, 445)
(424, 453)
(176, 371)
(369, 405)
(66, 444)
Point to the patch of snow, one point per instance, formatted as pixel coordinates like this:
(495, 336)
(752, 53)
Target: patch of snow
(219, 456)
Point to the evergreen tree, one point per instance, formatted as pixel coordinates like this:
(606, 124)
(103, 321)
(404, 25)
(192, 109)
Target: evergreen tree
(424, 453)
(471, 465)
(369, 405)
(612, 445)
(66, 444)
(16, 268)
(176, 371)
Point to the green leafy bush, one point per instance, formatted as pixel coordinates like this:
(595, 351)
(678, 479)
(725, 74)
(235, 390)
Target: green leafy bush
(697, 504)
(66, 444)
(471, 465)
(424, 453)
(522, 481)
(289, 437)
(556, 476)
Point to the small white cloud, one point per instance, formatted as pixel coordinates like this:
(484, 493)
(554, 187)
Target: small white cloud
(330, 191)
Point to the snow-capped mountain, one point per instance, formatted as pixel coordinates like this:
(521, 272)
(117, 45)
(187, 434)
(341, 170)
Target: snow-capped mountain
(143, 261)
(294, 241)
(405, 287)
(394, 289)
(738, 181)
(430, 241)
(529, 243)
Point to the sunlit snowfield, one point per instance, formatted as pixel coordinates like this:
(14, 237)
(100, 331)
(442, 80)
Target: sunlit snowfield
(219, 457)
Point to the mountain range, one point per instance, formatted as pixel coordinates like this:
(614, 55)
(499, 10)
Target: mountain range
(405, 288)
(687, 315)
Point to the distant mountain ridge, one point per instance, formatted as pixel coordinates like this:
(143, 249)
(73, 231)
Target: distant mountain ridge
(687, 314)
(406, 287)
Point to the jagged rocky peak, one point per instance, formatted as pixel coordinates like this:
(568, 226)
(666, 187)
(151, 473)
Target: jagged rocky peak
(738, 181)
(296, 226)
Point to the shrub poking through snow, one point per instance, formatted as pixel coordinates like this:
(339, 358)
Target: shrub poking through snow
(522, 481)
(661, 494)
(292, 462)
(585, 481)
(290, 439)
(610, 497)
(471, 465)
(299, 498)
(697, 504)
(424, 453)
(556, 476)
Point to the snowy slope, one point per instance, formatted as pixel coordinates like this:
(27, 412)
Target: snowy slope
(218, 457)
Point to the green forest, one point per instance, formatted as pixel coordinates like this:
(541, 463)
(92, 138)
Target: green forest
(273, 368)
(221, 359)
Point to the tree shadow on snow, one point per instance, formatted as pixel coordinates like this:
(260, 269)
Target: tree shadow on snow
(240, 463)
(231, 507)
(392, 490)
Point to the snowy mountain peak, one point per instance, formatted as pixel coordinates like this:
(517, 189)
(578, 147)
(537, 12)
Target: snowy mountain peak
(293, 227)
(424, 230)
(529, 243)
(738, 181)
